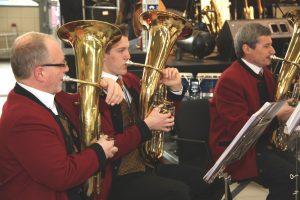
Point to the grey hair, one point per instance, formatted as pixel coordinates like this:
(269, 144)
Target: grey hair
(28, 51)
(249, 35)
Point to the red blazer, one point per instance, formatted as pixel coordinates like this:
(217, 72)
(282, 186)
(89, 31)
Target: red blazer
(128, 139)
(236, 98)
(33, 159)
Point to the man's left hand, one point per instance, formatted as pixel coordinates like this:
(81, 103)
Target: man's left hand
(172, 79)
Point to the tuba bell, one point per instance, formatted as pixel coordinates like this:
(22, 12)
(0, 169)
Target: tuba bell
(164, 28)
(287, 76)
(89, 39)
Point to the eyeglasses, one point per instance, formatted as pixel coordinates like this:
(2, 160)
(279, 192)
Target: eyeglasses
(56, 65)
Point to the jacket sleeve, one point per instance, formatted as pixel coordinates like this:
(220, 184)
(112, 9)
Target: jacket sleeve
(36, 143)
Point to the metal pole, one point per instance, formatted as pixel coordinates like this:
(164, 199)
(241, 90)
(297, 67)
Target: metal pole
(296, 193)
(227, 180)
(83, 9)
(295, 176)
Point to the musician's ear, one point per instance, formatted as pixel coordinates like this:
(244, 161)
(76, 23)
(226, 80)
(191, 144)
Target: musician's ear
(38, 73)
(246, 49)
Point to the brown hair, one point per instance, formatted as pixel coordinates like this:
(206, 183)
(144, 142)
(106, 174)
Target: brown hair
(124, 31)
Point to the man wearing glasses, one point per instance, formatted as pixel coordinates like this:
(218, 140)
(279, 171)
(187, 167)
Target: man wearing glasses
(39, 155)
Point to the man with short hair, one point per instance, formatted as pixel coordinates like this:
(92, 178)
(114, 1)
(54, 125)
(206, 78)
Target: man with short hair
(40, 151)
(240, 91)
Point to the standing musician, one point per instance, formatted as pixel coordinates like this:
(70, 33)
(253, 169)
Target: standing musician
(126, 176)
(39, 153)
(241, 90)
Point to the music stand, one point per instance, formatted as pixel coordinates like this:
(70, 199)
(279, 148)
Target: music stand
(292, 130)
(246, 137)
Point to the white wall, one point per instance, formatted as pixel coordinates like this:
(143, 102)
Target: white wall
(26, 18)
(7, 82)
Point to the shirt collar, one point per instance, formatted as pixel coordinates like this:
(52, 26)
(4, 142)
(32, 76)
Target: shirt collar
(46, 98)
(254, 68)
(112, 76)
(127, 96)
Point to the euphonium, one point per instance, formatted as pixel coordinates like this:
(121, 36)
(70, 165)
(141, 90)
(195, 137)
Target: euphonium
(164, 28)
(287, 75)
(89, 39)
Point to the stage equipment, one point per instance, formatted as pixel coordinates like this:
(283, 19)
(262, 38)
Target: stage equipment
(281, 33)
(208, 12)
(105, 11)
(137, 27)
(208, 82)
(248, 11)
(215, 14)
(287, 77)
(260, 9)
(208, 21)
(200, 44)
(164, 28)
(89, 39)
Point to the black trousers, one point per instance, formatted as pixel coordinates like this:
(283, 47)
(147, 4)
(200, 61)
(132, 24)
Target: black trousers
(168, 182)
(193, 177)
(274, 168)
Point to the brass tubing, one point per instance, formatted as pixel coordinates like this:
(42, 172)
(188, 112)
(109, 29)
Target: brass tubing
(128, 62)
(67, 78)
(273, 57)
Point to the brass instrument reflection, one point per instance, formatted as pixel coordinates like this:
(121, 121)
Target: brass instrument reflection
(67, 78)
(129, 62)
(164, 29)
(273, 57)
(89, 39)
(288, 74)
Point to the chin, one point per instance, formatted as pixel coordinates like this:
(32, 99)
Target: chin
(123, 72)
(268, 63)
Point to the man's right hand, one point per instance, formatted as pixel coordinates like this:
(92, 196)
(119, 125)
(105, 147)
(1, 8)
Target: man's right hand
(285, 111)
(159, 121)
(108, 146)
(114, 91)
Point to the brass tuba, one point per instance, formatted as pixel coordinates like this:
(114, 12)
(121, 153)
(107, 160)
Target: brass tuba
(164, 28)
(89, 39)
(287, 75)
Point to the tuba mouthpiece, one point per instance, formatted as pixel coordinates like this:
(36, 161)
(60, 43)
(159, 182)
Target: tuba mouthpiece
(66, 78)
(284, 60)
(273, 57)
(129, 62)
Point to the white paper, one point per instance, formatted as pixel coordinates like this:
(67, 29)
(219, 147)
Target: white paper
(293, 120)
(260, 120)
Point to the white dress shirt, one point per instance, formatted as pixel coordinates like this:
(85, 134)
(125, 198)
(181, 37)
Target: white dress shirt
(46, 98)
(127, 95)
(256, 69)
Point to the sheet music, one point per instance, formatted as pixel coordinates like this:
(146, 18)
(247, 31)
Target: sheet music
(246, 137)
(293, 120)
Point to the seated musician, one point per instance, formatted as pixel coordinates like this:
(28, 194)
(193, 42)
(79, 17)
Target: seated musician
(240, 91)
(40, 152)
(126, 175)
